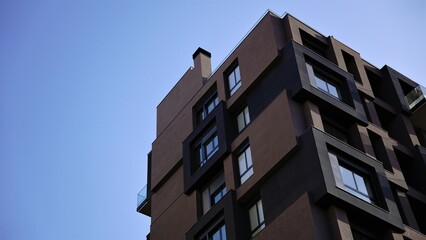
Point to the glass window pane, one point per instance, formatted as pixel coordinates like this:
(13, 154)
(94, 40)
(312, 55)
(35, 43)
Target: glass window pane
(333, 90)
(246, 175)
(361, 184)
(216, 141)
(253, 217)
(236, 87)
(347, 177)
(248, 157)
(212, 147)
(246, 115)
(216, 235)
(209, 147)
(321, 83)
(217, 183)
(210, 107)
(217, 197)
(260, 209)
(206, 200)
(242, 163)
(231, 80)
(237, 74)
(223, 232)
(241, 123)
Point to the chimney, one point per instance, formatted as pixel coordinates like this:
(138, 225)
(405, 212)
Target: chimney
(202, 62)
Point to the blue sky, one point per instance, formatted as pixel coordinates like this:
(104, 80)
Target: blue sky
(80, 82)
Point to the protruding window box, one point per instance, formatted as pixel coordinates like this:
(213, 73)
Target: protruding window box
(227, 212)
(416, 100)
(349, 178)
(323, 83)
(205, 147)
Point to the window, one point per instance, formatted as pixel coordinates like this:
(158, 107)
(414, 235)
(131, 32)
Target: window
(257, 220)
(205, 149)
(216, 233)
(243, 119)
(213, 193)
(313, 43)
(327, 86)
(207, 107)
(245, 165)
(234, 80)
(353, 180)
(355, 183)
(323, 83)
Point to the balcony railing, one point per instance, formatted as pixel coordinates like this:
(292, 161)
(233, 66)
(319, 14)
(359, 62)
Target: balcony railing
(415, 96)
(142, 196)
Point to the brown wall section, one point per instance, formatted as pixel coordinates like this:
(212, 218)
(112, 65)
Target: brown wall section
(294, 223)
(271, 136)
(177, 220)
(167, 194)
(167, 148)
(254, 54)
(177, 98)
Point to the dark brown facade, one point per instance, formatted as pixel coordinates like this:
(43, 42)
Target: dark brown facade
(294, 136)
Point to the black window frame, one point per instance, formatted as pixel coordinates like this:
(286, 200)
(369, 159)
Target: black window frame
(367, 173)
(199, 149)
(201, 109)
(217, 226)
(328, 78)
(221, 191)
(260, 224)
(231, 90)
(245, 120)
(240, 151)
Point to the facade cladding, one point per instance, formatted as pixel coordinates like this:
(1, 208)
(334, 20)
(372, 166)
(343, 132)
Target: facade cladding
(294, 136)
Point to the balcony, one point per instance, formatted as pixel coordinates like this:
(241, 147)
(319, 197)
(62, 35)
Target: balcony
(416, 100)
(144, 202)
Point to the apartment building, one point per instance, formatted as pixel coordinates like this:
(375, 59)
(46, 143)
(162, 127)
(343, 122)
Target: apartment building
(293, 136)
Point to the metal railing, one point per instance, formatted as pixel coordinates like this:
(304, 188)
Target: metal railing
(142, 196)
(415, 96)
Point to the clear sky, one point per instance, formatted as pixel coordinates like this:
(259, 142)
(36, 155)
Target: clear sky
(80, 82)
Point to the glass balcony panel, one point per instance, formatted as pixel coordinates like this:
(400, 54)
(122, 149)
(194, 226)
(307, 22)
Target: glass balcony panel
(415, 96)
(142, 196)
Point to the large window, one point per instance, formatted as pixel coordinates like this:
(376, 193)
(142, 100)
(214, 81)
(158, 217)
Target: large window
(324, 83)
(205, 149)
(245, 165)
(216, 233)
(234, 80)
(353, 180)
(355, 183)
(243, 119)
(207, 107)
(257, 220)
(213, 193)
